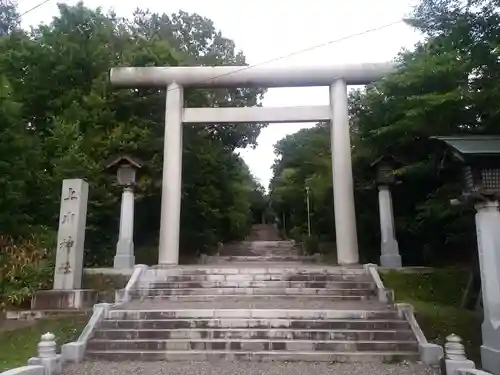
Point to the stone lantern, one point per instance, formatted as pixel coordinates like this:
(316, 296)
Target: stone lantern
(126, 169)
(480, 160)
(389, 248)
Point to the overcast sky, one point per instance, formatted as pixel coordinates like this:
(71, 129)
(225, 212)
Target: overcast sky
(268, 29)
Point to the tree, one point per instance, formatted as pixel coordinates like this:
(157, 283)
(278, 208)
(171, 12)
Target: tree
(76, 122)
(304, 159)
(9, 17)
(446, 85)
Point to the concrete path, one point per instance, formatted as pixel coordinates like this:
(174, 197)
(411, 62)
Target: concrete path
(264, 232)
(246, 368)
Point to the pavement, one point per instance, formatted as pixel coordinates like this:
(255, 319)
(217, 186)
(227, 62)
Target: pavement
(247, 368)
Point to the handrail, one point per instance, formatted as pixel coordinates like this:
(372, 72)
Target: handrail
(74, 351)
(384, 295)
(138, 270)
(25, 370)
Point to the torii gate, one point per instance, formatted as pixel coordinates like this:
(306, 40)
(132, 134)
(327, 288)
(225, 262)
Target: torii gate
(176, 78)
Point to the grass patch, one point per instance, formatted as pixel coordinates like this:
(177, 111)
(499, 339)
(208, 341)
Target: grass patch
(17, 346)
(444, 286)
(436, 297)
(106, 285)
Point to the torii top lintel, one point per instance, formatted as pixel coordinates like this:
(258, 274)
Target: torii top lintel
(249, 76)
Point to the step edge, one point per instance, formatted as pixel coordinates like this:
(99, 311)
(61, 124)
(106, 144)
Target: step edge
(274, 340)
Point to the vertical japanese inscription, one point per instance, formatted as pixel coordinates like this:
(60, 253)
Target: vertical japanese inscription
(65, 246)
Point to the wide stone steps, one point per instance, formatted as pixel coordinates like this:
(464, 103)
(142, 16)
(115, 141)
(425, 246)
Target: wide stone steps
(250, 308)
(272, 284)
(254, 356)
(311, 277)
(254, 334)
(302, 292)
(251, 298)
(257, 269)
(259, 248)
(338, 346)
(257, 324)
(262, 258)
(270, 313)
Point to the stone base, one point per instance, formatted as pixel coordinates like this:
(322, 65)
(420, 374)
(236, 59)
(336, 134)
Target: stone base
(391, 261)
(490, 359)
(124, 262)
(124, 254)
(64, 299)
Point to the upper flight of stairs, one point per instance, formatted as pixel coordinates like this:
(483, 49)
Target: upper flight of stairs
(254, 310)
(216, 282)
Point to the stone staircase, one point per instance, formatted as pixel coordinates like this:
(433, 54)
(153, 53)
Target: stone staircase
(254, 310)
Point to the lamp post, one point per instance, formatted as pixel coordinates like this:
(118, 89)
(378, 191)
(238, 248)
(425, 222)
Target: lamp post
(389, 248)
(308, 212)
(480, 159)
(126, 169)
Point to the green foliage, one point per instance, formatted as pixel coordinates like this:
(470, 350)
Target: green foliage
(311, 245)
(70, 125)
(436, 297)
(447, 85)
(25, 266)
(303, 160)
(445, 286)
(9, 17)
(106, 285)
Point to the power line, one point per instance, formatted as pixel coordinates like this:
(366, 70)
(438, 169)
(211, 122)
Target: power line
(33, 8)
(324, 44)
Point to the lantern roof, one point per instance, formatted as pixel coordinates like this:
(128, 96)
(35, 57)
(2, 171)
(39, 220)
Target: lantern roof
(467, 147)
(389, 159)
(124, 159)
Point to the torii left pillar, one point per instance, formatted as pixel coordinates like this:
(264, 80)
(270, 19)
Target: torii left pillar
(172, 177)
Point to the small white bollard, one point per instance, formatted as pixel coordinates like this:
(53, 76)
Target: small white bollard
(454, 355)
(453, 348)
(47, 355)
(47, 346)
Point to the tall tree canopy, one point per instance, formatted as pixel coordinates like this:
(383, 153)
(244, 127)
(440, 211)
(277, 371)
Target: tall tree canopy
(446, 85)
(61, 119)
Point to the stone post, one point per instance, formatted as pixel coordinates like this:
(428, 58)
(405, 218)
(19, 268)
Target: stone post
(71, 235)
(172, 177)
(343, 194)
(488, 244)
(454, 355)
(125, 246)
(47, 355)
(389, 248)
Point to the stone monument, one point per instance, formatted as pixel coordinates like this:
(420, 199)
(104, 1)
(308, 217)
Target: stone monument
(68, 270)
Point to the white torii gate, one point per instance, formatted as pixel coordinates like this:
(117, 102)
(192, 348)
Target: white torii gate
(176, 78)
